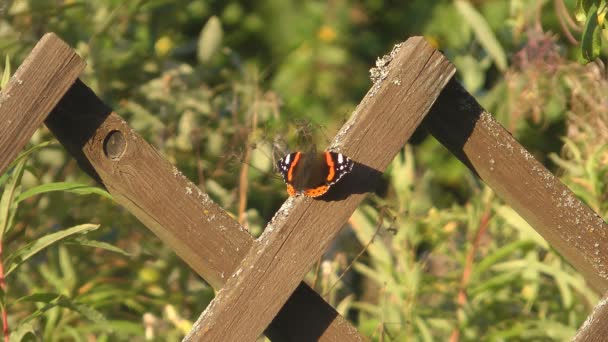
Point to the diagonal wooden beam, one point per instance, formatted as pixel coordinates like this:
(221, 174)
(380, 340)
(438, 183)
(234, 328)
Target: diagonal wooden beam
(406, 88)
(199, 231)
(30, 95)
(595, 327)
(489, 150)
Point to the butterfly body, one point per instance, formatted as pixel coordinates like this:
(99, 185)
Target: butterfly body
(312, 174)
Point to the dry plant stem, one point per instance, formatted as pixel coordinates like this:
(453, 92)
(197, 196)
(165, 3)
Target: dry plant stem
(461, 298)
(243, 185)
(243, 177)
(199, 163)
(565, 13)
(562, 16)
(315, 281)
(350, 265)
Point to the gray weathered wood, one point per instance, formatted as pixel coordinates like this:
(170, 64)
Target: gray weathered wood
(300, 232)
(487, 148)
(199, 231)
(30, 95)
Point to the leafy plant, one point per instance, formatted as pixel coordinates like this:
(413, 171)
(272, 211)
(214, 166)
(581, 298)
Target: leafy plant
(593, 14)
(13, 259)
(221, 87)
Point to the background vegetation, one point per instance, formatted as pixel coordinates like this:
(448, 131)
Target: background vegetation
(432, 255)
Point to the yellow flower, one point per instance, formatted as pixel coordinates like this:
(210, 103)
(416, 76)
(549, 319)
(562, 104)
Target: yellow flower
(326, 34)
(163, 45)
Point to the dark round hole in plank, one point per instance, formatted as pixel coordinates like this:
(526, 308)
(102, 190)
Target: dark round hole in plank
(114, 145)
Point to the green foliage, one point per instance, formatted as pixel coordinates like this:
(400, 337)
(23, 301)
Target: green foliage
(47, 304)
(223, 88)
(483, 33)
(593, 14)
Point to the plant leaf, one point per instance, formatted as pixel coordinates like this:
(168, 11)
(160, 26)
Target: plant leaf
(26, 252)
(45, 297)
(97, 244)
(8, 206)
(580, 12)
(210, 39)
(77, 188)
(19, 333)
(66, 302)
(29, 151)
(483, 32)
(67, 269)
(591, 40)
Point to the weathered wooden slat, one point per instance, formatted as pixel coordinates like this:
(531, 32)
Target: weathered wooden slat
(35, 88)
(595, 328)
(300, 232)
(199, 231)
(489, 150)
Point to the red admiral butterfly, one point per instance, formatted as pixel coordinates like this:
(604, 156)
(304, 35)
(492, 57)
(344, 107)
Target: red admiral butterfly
(312, 174)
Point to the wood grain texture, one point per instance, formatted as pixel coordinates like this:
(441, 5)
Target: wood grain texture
(595, 328)
(30, 95)
(301, 231)
(199, 231)
(488, 149)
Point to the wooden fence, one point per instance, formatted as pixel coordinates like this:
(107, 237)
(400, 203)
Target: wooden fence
(261, 280)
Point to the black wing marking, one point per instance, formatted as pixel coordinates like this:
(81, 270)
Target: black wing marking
(284, 164)
(342, 166)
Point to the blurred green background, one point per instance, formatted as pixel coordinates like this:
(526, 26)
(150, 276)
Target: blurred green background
(224, 88)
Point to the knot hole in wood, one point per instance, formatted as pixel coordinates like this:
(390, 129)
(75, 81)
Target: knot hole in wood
(114, 144)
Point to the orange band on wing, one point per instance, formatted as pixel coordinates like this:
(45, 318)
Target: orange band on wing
(330, 164)
(291, 190)
(316, 192)
(293, 164)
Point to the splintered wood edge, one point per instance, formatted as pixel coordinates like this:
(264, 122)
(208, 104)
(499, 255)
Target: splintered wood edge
(488, 149)
(32, 92)
(407, 85)
(595, 327)
(174, 208)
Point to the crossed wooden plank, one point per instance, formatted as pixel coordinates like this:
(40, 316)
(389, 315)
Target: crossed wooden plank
(141, 180)
(213, 244)
(411, 79)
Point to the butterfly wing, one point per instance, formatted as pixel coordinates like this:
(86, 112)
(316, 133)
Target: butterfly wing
(339, 165)
(316, 192)
(285, 166)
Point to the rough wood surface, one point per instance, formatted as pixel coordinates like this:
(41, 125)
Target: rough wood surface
(487, 148)
(404, 91)
(35, 88)
(199, 231)
(595, 328)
